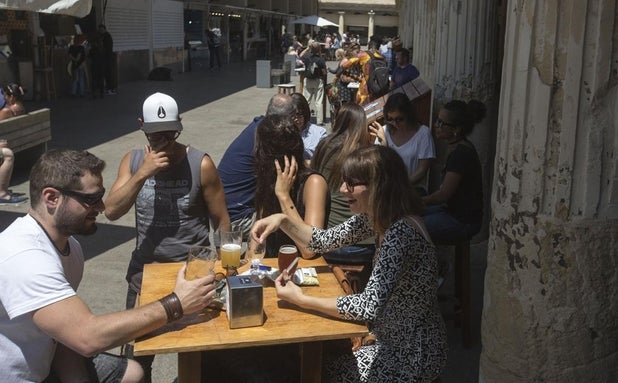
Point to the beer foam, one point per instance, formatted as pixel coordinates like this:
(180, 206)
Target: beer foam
(288, 249)
(230, 247)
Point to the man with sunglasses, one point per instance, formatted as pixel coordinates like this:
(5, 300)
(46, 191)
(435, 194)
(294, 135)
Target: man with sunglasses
(176, 191)
(47, 333)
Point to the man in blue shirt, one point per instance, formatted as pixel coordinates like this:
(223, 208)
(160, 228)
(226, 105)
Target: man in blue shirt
(236, 168)
(404, 71)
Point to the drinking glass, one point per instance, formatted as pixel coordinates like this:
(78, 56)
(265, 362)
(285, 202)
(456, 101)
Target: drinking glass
(255, 253)
(287, 254)
(200, 262)
(231, 243)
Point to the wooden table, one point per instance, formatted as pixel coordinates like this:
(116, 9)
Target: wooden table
(284, 323)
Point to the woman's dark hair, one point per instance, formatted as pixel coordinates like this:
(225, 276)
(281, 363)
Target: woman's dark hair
(465, 115)
(401, 103)
(391, 195)
(275, 137)
(300, 104)
(15, 90)
(349, 133)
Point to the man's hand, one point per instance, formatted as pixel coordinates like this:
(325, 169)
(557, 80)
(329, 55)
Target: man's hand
(195, 294)
(154, 162)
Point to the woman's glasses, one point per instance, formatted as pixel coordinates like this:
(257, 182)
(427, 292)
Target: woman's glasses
(350, 185)
(440, 123)
(392, 120)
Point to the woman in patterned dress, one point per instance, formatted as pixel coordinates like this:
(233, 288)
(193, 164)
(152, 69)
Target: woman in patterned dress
(400, 299)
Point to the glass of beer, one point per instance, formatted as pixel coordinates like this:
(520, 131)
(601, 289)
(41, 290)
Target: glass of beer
(200, 262)
(287, 253)
(231, 243)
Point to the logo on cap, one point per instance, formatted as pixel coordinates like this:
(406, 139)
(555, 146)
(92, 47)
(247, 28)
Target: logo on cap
(161, 112)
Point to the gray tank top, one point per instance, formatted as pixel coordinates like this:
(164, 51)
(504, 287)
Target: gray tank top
(170, 212)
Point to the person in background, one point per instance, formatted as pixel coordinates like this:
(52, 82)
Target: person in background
(13, 106)
(410, 139)
(7, 159)
(404, 71)
(97, 66)
(213, 37)
(47, 333)
(315, 76)
(455, 211)
(13, 101)
(348, 134)
(310, 133)
(107, 59)
(237, 167)
(400, 301)
(176, 191)
(386, 52)
(279, 148)
(77, 57)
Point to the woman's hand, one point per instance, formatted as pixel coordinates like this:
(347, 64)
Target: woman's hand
(376, 131)
(286, 289)
(262, 228)
(285, 177)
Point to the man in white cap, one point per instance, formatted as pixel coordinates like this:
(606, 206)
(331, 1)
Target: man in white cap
(176, 191)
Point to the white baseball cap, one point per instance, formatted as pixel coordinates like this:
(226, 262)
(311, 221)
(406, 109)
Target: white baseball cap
(160, 113)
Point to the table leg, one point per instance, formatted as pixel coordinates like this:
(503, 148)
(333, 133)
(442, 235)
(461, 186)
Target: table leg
(189, 367)
(311, 362)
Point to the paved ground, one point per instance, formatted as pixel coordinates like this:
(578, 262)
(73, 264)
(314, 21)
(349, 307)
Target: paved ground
(215, 106)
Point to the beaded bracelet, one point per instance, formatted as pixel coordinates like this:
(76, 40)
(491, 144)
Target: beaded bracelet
(173, 307)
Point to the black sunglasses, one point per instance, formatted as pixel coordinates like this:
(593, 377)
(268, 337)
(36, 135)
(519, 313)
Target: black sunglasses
(160, 136)
(350, 185)
(397, 120)
(87, 199)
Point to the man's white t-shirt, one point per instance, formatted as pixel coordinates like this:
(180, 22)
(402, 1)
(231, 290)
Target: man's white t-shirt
(419, 147)
(32, 275)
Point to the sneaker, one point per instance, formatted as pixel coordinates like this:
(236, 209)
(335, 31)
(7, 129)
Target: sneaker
(111, 92)
(13, 200)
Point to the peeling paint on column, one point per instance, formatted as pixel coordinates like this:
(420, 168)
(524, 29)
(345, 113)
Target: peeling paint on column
(550, 310)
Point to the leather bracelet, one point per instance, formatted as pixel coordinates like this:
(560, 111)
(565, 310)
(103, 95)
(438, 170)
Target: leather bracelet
(172, 306)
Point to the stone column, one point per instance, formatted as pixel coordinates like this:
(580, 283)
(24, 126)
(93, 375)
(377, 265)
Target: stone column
(341, 22)
(550, 307)
(371, 25)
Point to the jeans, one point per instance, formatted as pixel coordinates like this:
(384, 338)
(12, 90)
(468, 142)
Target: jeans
(78, 84)
(443, 227)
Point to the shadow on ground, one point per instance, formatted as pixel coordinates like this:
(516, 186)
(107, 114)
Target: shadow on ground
(92, 245)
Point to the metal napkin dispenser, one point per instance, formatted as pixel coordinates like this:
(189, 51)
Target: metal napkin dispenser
(245, 302)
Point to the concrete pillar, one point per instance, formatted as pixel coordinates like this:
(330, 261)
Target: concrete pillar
(341, 22)
(551, 286)
(371, 25)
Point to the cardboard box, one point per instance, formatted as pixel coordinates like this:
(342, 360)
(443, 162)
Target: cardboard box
(417, 91)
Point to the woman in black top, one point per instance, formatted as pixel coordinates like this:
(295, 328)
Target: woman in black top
(454, 212)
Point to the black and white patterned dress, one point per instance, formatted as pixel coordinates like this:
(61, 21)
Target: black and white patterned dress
(399, 301)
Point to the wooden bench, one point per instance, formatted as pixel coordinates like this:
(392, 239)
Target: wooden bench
(27, 131)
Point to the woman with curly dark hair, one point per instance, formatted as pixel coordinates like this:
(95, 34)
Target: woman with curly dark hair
(455, 210)
(278, 145)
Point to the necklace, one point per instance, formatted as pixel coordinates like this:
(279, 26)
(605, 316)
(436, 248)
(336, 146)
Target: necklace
(66, 251)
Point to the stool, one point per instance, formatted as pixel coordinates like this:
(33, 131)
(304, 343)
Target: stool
(45, 79)
(287, 88)
(462, 287)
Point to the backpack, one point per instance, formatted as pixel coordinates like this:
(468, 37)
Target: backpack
(312, 69)
(378, 83)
